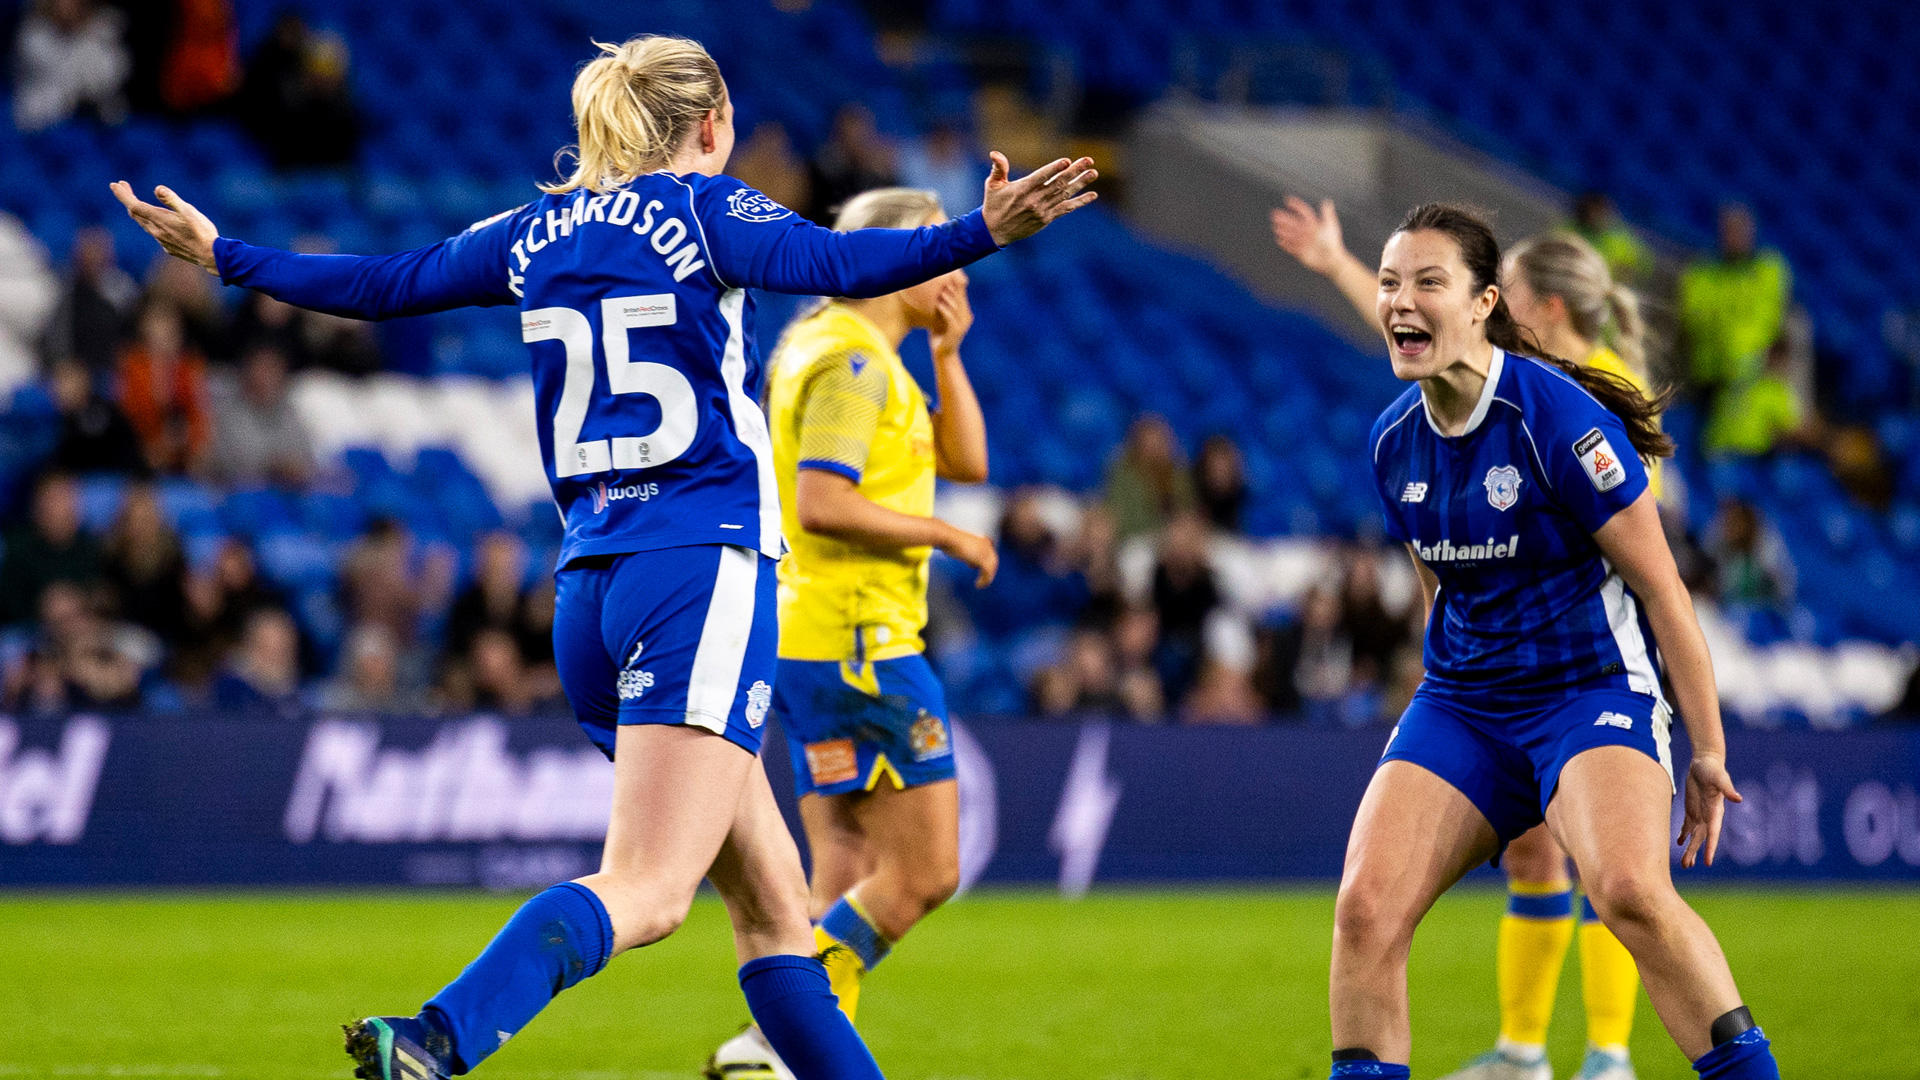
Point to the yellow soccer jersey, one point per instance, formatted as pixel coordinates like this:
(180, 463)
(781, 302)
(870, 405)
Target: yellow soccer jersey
(839, 399)
(1609, 361)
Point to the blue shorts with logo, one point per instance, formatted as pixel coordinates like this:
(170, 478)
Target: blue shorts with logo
(1506, 758)
(850, 724)
(685, 635)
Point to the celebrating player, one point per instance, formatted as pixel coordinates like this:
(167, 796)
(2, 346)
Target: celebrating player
(632, 279)
(1515, 479)
(856, 453)
(1559, 288)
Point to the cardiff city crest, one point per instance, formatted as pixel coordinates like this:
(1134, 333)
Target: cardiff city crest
(1503, 486)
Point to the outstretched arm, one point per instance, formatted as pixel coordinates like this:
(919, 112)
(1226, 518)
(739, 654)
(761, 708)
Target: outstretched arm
(468, 270)
(790, 255)
(1313, 236)
(1637, 547)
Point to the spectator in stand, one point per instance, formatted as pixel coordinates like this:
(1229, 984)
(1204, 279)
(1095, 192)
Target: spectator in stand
(1733, 306)
(1754, 414)
(163, 391)
(28, 292)
(144, 567)
(201, 67)
(1184, 595)
(1147, 482)
(1036, 585)
(50, 547)
(369, 677)
(767, 163)
(70, 58)
(499, 600)
(1220, 483)
(1628, 258)
(94, 434)
(257, 436)
(1751, 563)
(944, 163)
(264, 671)
(96, 306)
(855, 158)
(296, 98)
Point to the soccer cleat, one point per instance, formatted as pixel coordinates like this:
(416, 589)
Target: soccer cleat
(398, 1048)
(746, 1056)
(1501, 1064)
(1602, 1065)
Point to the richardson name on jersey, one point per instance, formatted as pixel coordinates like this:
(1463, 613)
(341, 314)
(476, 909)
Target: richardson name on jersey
(669, 237)
(1448, 551)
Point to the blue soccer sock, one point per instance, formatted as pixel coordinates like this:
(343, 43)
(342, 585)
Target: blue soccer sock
(1369, 1070)
(556, 939)
(1746, 1056)
(797, 1012)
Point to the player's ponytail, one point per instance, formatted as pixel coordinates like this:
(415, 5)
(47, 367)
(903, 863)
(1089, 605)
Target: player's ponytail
(634, 105)
(1481, 254)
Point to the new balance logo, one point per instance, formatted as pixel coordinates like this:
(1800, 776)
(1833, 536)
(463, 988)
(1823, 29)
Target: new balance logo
(1414, 493)
(1614, 719)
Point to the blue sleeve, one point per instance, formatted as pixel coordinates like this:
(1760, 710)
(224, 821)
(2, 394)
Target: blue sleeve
(757, 243)
(1589, 460)
(470, 270)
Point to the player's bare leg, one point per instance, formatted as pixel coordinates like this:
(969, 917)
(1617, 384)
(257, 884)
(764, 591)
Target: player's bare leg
(1413, 837)
(1611, 813)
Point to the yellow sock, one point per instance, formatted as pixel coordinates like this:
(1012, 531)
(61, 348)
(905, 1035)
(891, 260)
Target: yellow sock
(1534, 936)
(1609, 981)
(844, 971)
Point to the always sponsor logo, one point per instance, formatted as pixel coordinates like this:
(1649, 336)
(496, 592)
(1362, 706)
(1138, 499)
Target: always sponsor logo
(47, 795)
(464, 785)
(1596, 456)
(1448, 551)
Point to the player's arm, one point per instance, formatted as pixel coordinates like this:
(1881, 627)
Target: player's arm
(1313, 236)
(959, 428)
(839, 414)
(1634, 543)
(789, 254)
(468, 270)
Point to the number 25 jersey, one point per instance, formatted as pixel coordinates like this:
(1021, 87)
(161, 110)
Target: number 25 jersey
(634, 306)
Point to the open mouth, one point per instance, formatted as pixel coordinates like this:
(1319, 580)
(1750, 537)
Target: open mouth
(1408, 341)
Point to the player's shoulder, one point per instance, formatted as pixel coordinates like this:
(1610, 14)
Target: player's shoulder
(1395, 422)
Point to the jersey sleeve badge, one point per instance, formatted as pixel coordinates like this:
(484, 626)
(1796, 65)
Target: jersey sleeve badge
(1596, 456)
(750, 205)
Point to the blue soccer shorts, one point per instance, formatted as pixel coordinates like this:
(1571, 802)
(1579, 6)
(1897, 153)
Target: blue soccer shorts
(849, 725)
(1506, 759)
(684, 635)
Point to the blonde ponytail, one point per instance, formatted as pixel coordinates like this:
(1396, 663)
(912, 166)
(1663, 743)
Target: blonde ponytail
(634, 105)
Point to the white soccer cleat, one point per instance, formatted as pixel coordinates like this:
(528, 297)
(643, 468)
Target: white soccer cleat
(747, 1056)
(1503, 1063)
(1605, 1065)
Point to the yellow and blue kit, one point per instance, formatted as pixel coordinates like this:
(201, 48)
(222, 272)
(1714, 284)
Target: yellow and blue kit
(854, 693)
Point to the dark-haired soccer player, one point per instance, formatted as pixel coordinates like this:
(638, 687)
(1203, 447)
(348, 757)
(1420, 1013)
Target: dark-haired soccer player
(1516, 482)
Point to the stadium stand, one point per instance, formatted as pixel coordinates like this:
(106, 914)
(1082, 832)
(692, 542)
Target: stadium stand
(1076, 337)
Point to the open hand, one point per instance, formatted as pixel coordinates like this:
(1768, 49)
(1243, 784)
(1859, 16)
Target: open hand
(1310, 235)
(1016, 209)
(954, 317)
(1708, 788)
(183, 231)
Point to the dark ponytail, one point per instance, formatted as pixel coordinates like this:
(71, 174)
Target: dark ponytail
(1481, 254)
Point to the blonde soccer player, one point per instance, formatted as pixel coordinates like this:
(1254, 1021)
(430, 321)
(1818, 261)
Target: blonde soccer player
(856, 450)
(1559, 288)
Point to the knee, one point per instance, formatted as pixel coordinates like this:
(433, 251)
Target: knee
(1365, 918)
(1630, 898)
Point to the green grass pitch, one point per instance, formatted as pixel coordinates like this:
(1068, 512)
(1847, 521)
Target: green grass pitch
(1003, 985)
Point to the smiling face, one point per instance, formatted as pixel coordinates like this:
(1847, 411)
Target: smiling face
(1433, 314)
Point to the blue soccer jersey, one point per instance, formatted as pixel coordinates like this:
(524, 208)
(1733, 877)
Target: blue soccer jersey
(1504, 515)
(635, 308)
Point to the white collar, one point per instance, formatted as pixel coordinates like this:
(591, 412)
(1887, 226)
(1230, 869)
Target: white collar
(1487, 394)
